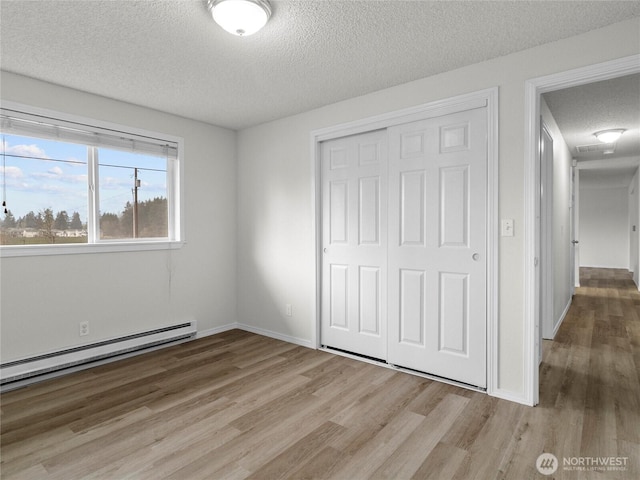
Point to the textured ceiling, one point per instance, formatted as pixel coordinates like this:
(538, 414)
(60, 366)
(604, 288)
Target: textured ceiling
(581, 111)
(170, 55)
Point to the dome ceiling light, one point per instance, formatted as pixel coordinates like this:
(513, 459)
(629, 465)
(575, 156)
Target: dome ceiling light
(240, 17)
(609, 136)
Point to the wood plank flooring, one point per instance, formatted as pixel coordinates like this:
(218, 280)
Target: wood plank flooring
(237, 405)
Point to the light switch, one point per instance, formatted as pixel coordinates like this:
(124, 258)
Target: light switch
(507, 227)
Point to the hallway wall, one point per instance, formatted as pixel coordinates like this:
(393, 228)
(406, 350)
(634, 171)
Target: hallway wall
(604, 220)
(634, 212)
(561, 227)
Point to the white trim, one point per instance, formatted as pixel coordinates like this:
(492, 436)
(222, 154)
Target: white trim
(484, 98)
(510, 396)
(317, 236)
(533, 89)
(614, 267)
(576, 226)
(531, 296)
(421, 112)
(564, 314)
(573, 233)
(216, 330)
(493, 241)
(547, 280)
(258, 331)
(278, 336)
(93, 198)
(82, 248)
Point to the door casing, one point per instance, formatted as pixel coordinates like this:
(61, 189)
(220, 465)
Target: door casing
(534, 88)
(546, 231)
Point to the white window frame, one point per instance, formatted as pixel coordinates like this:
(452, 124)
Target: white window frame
(175, 195)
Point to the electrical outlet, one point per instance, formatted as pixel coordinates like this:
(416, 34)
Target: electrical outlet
(84, 328)
(289, 310)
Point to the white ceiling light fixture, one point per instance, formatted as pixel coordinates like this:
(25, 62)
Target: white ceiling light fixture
(609, 136)
(240, 17)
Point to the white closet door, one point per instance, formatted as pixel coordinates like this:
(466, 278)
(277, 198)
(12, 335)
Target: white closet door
(437, 246)
(354, 271)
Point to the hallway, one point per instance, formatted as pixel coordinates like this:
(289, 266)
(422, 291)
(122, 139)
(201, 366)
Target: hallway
(590, 374)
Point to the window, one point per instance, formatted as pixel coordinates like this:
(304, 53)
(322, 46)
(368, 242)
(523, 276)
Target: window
(133, 195)
(73, 182)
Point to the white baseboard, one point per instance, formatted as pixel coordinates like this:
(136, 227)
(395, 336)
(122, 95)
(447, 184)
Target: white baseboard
(510, 396)
(257, 331)
(277, 336)
(564, 314)
(621, 267)
(216, 330)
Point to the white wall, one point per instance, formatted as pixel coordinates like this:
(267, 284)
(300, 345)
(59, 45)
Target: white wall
(276, 261)
(634, 225)
(45, 297)
(561, 228)
(604, 222)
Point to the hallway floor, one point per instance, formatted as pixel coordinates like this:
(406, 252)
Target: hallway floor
(590, 375)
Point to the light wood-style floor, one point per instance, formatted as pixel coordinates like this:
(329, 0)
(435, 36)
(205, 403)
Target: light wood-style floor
(237, 405)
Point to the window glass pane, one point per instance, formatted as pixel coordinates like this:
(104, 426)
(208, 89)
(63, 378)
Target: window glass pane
(45, 186)
(132, 195)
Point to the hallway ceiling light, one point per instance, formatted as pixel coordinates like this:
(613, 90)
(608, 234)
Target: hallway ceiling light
(240, 17)
(609, 136)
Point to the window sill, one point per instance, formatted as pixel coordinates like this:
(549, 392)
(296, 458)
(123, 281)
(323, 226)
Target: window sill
(84, 248)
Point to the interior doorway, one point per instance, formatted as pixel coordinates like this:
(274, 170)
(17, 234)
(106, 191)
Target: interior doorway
(534, 218)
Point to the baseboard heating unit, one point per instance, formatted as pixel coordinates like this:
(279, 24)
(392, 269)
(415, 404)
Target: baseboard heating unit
(43, 365)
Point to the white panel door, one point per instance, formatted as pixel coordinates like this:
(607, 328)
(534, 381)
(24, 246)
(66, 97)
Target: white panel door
(354, 241)
(437, 246)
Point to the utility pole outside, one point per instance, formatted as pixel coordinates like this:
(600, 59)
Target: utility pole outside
(136, 185)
